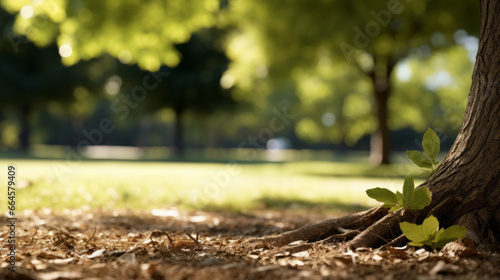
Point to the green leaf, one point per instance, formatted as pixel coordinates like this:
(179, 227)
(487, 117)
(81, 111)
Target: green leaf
(443, 236)
(420, 233)
(431, 143)
(416, 244)
(399, 198)
(419, 158)
(408, 187)
(382, 195)
(421, 197)
(395, 208)
(428, 234)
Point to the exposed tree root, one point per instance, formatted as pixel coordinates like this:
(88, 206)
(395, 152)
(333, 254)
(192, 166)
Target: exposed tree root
(348, 234)
(478, 228)
(341, 237)
(325, 229)
(372, 228)
(382, 230)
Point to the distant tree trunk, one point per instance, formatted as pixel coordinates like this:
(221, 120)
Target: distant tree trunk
(144, 129)
(380, 143)
(76, 133)
(179, 130)
(24, 135)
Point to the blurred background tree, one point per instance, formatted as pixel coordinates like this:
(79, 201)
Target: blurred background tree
(33, 78)
(318, 45)
(349, 69)
(194, 84)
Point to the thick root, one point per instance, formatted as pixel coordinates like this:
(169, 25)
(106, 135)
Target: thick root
(321, 230)
(375, 233)
(477, 226)
(348, 234)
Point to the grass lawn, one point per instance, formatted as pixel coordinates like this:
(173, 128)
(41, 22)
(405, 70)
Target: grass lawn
(330, 186)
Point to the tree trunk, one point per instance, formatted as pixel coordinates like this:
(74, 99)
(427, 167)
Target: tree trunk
(144, 129)
(469, 177)
(24, 135)
(380, 143)
(179, 131)
(380, 140)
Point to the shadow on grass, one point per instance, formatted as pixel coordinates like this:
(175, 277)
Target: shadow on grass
(280, 203)
(391, 171)
(420, 175)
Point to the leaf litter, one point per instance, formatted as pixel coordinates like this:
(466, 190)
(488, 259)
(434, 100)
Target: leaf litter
(174, 244)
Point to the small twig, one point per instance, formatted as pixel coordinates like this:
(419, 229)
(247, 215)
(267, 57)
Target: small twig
(397, 241)
(92, 236)
(169, 239)
(152, 241)
(33, 237)
(63, 233)
(195, 242)
(192, 238)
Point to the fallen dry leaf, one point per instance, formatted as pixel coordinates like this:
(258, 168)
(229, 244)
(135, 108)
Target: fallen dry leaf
(96, 254)
(59, 275)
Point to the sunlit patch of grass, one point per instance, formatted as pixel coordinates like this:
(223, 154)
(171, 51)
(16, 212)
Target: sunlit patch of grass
(216, 186)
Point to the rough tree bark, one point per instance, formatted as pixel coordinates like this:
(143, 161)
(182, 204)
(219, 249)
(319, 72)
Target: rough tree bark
(466, 186)
(470, 173)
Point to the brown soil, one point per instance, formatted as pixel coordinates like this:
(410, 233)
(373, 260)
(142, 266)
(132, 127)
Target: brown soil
(171, 244)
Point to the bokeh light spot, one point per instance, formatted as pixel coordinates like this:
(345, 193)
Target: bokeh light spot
(404, 72)
(125, 57)
(27, 11)
(227, 81)
(328, 119)
(113, 85)
(65, 50)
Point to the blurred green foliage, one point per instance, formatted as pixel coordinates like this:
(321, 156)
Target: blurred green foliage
(330, 48)
(142, 32)
(327, 57)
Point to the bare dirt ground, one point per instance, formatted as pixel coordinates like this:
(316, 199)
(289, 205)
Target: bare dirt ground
(171, 244)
